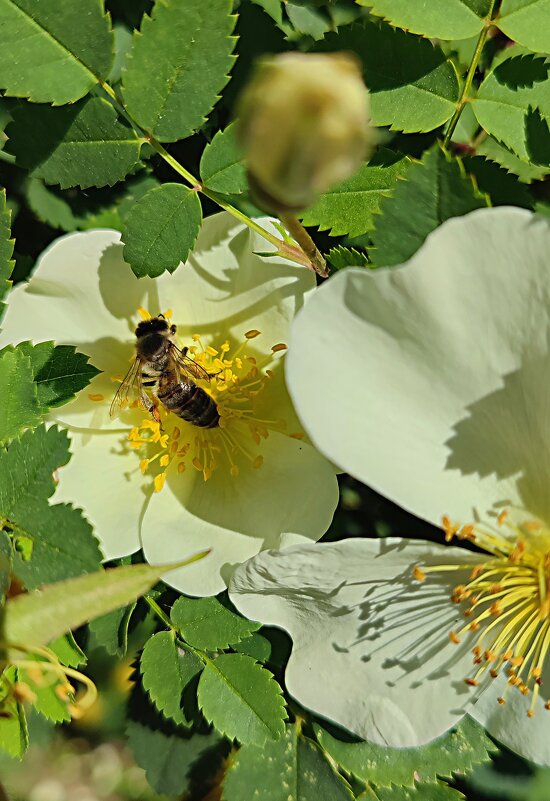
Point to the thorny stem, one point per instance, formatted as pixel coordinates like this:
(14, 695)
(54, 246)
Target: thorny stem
(285, 249)
(466, 89)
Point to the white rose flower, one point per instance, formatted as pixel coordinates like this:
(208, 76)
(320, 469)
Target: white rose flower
(438, 398)
(171, 487)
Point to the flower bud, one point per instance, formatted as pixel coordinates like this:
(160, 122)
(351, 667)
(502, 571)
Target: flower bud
(303, 125)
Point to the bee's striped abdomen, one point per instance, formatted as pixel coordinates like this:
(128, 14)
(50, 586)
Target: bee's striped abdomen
(188, 401)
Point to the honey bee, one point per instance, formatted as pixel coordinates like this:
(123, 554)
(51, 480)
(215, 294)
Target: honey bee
(169, 374)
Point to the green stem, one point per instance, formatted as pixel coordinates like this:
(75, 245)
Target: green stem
(465, 94)
(297, 230)
(162, 616)
(285, 249)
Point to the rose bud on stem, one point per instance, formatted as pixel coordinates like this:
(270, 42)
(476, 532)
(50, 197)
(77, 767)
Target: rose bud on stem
(303, 125)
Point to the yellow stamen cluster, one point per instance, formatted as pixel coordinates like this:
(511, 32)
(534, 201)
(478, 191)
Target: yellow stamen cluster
(507, 600)
(238, 379)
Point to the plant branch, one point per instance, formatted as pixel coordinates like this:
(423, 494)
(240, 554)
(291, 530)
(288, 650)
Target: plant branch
(466, 89)
(297, 230)
(288, 251)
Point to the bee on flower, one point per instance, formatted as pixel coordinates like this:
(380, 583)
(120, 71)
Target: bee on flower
(151, 476)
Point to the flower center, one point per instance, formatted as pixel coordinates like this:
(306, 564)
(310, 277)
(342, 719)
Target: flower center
(238, 383)
(507, 600)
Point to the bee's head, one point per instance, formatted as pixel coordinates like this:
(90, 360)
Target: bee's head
(152, 335)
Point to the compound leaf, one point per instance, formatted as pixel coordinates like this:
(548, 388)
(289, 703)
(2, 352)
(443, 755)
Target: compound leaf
(179, 63)
(161, 229)
(434, 190)
(350, 207)
(241, 699)
(340, 257)
(526, 22)
(208, 624)
(517, 84)
(53, 51)
(166, 671)
(413, 87)
(221, 166)
(6, 249)
(292, 768)
(84, 144)
(458, 750)
(445, 19)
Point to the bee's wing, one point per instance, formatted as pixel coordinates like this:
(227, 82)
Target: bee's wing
(130, 386)
(186, 364)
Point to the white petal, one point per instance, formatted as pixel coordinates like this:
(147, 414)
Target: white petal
(291, 498)
(439, 384)
(225, 288)
(371, 647)
(106, 483)
(510, 725)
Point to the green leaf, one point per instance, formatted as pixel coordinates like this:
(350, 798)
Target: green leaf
(241, 699)
(20, 406)
(179, 63)
(341, 257)
(6, 561)
(350, 207)
(161, 229)
(518, 83)
(67, 651)
(14, 735)
(166, 758)
(456, 751)
(63, 543)
(526, 22)
(434, 190)
(307, 21)
(526, 173)
(166, 671)
(59, 371)
(432, 791)
(110, 631)
(47, 702)
(6, 250)
(208, 624)
(84, 144)
(293, 769)
(38, 617)
(444, 19)
(502, 188)
(257, 646)
(60, 541)
(413, 87)
(53, 51)
(221, 167)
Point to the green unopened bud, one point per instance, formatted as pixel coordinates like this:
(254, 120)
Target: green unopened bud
(303, 125)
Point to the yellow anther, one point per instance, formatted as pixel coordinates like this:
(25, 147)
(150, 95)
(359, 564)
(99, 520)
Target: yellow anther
(211, 351)
(196, 337)
(159, 481)
(252, 333)
(97, 397)
(143, 465)
(501, 700)
(502, 517)
(280, 346)
(168, 314)
(234, 471)
(472, 682)
(454, 638)
(181, 467)
(165, 460)
(143, 313)
(297, 435)
(419, 574)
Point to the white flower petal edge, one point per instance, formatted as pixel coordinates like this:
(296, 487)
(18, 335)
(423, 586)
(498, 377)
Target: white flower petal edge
(441, 369)
(277, 505)
(371, 649)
